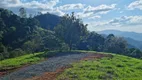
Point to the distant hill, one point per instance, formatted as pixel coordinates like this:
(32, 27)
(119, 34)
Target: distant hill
(48, 21)
(135, 43)
(133, 35)
(133, 39)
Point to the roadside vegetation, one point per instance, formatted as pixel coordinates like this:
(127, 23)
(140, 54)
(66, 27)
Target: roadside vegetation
(28, 59)
(116, 68)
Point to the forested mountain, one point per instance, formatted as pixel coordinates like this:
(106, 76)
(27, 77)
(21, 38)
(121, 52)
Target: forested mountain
(132, 38)
(135, 43)
(133, 35)
(48, 21)
(20, 35)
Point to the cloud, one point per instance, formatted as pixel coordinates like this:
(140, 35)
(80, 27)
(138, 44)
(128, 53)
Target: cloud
(84, 15)
(91, 12)
(72, 6)
(57, 12)
(121, 21)
(32, 6)
(127, 20)
(95, 17)
(135, 5)
(102, 9)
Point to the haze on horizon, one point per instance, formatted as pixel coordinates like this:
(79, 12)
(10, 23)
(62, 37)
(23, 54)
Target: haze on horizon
(123, 15)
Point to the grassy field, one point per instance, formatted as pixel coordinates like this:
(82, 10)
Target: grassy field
(20, 61)
(116, 68)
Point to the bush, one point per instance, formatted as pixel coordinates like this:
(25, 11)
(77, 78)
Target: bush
(16, 52)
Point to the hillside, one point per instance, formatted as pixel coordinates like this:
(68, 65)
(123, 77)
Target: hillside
(75, 65)
(20, 35)
(58, 40)
(133, 39)
(48, 21)
(135, 43)
(107, 68)
(133, 35)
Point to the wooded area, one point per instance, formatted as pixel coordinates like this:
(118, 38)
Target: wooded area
(21, 35)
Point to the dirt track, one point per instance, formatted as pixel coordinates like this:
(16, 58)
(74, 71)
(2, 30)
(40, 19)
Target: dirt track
(48, 70)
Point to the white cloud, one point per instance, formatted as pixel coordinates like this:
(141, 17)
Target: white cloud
(57, 12)
(95, 17)
(135, 5)
(84, 15)
(91, 12)
(102, 9)
(127, 20)
(32, 6)
(123, 21)
(72, 6)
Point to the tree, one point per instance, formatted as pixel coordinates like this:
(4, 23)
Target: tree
(115, 44)
(70, 30)
(95, 41)
(133, 52)
(22, 13)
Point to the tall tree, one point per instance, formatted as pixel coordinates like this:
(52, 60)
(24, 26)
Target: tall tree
(70, 30)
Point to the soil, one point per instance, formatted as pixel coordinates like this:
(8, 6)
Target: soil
(49, 69)
(53, 75)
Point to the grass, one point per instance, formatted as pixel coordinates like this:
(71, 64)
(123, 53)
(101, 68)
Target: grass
(20, 61)
(117, 68)
(28, 59)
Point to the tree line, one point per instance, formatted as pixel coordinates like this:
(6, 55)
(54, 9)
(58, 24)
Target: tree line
(21, 35)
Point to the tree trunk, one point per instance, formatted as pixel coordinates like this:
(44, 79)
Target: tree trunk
(70, 45)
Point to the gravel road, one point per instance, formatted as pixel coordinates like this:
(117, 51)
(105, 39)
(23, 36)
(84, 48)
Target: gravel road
(50, 65)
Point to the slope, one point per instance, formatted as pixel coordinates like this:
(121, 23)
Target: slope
(109, 68)
(133, 35)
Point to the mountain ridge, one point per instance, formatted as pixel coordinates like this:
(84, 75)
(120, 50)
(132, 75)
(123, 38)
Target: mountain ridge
(133, 35)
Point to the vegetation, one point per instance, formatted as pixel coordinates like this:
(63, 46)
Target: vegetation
(71, 30)
(20, 35)
(48, 21)
(117, 67)
(21, 60)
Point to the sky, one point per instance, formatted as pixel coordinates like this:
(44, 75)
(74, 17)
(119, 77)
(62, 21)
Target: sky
(123, 15)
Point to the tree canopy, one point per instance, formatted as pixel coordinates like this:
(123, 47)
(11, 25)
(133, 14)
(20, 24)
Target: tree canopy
(21, 35)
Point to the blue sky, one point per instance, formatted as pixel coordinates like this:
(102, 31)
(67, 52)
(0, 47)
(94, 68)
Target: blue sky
(124, 15)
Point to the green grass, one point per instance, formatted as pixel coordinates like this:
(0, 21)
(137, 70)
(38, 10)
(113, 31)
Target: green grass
(117, 68)
(20, 61)
(28, 59)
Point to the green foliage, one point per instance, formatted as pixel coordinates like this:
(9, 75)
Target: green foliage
(116, 68)
(135, 53)
(19, 35)
(70, 30)
(16, 53)
(16, 32)
(115, 44)
(20, 61)
(48, 21)
(95, 41)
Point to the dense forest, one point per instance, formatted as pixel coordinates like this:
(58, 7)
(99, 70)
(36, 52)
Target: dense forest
(21, 35)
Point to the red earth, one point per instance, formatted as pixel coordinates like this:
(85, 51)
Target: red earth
(53, 75)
